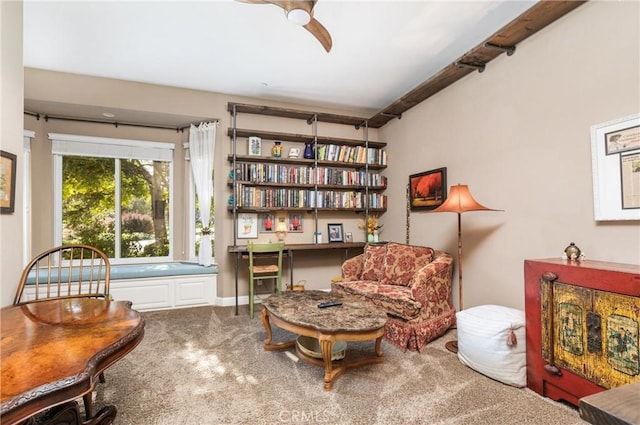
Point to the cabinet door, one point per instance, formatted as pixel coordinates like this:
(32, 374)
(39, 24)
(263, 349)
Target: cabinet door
(620, 317)
(592, 333)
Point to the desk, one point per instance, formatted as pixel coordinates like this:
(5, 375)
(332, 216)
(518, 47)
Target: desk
(53, 351)
(240, 250)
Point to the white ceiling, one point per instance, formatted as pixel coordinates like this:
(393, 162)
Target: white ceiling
(381, 49)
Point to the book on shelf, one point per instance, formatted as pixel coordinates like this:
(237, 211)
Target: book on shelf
(261, 197)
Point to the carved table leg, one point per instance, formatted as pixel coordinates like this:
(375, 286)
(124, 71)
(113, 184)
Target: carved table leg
(268, 345)
(331, 370)
(267, 327)
(88, 405)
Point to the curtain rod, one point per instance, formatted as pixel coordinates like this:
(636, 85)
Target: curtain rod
(116, 123)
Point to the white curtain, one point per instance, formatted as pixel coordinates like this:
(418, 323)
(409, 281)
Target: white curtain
(202, 142)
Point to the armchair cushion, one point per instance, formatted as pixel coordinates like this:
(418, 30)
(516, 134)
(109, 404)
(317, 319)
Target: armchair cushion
(373, 262)
(394, 299)
(352, 268)
(402, 261)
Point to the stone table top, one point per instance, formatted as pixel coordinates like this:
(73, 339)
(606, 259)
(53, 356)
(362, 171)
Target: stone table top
(301, 308)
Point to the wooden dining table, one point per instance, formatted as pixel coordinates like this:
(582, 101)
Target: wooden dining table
(53, 351)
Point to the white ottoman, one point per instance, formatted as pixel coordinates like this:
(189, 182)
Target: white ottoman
(492, 341)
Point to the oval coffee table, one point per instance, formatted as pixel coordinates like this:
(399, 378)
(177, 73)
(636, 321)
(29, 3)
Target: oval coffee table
(298, 312)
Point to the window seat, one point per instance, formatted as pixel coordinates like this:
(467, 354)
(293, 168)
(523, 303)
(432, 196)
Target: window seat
(129, 271)
(153, 286)
(137, 271)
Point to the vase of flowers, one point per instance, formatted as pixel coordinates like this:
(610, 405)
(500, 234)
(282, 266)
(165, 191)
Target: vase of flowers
(372, 227)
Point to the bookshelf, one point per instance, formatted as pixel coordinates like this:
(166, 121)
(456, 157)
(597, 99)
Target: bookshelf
(343, 175)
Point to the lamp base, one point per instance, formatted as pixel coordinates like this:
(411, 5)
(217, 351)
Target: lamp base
(452, 346)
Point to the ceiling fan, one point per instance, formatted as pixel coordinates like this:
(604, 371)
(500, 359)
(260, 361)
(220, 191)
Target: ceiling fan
(300, 12)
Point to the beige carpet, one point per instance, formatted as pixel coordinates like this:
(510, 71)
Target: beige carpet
(207, 366)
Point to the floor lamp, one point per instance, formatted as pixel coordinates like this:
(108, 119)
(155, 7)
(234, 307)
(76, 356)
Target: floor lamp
(460, 201)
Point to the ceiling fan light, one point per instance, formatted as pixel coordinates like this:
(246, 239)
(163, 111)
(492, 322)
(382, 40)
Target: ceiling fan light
(298, 16)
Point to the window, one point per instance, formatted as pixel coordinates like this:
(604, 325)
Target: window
(114, 194)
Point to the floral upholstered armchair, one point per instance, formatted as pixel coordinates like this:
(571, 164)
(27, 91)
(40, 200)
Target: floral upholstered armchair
(411, 283)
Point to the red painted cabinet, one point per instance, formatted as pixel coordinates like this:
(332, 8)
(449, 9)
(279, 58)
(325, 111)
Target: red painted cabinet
(583, 326)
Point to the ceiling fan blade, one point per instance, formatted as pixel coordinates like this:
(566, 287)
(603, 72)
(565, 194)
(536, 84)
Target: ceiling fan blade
(313, 26)
(321, 33)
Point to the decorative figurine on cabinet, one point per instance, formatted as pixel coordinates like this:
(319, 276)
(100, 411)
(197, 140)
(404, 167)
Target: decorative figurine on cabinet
(572, 253)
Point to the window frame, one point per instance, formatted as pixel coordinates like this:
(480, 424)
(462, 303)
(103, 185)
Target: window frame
(28, 135)
(117, 149)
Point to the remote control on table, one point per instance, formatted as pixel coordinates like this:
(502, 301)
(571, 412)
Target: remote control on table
(329, 304)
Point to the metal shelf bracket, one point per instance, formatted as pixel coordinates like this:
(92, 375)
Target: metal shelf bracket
(509, 49)
(479, 67)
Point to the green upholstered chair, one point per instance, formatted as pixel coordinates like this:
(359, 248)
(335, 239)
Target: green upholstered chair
(263, 266)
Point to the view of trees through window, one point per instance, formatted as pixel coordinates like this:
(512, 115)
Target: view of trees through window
(109, 202)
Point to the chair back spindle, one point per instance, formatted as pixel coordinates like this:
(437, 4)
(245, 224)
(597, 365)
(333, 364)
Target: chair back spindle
(65, 271)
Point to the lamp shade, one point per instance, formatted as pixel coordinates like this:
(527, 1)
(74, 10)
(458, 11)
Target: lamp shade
(460, 200)
(281, 229)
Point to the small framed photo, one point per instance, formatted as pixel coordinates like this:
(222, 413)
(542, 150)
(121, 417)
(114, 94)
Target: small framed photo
(348, 237)
(428, 190)
(267, 223)
(295, 223)
(247, 226)
(335, 233)
(254, 146)
(7, 182)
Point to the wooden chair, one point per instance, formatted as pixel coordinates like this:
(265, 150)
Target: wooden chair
(67, 271)
(269, 267)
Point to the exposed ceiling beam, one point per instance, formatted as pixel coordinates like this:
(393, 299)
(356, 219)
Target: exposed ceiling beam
(533, 20)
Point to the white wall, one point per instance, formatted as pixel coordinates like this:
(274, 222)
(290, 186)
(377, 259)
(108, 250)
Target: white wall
(519, 136)
(11, 98)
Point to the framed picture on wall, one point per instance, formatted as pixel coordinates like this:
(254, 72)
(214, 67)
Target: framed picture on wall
(267, 223)
(615, 159)
(295, 223)
(630, 180)
(7, 182)
(247, 226)
(428, 190)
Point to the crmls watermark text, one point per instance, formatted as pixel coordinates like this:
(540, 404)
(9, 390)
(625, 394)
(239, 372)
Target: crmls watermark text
(298, 416)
